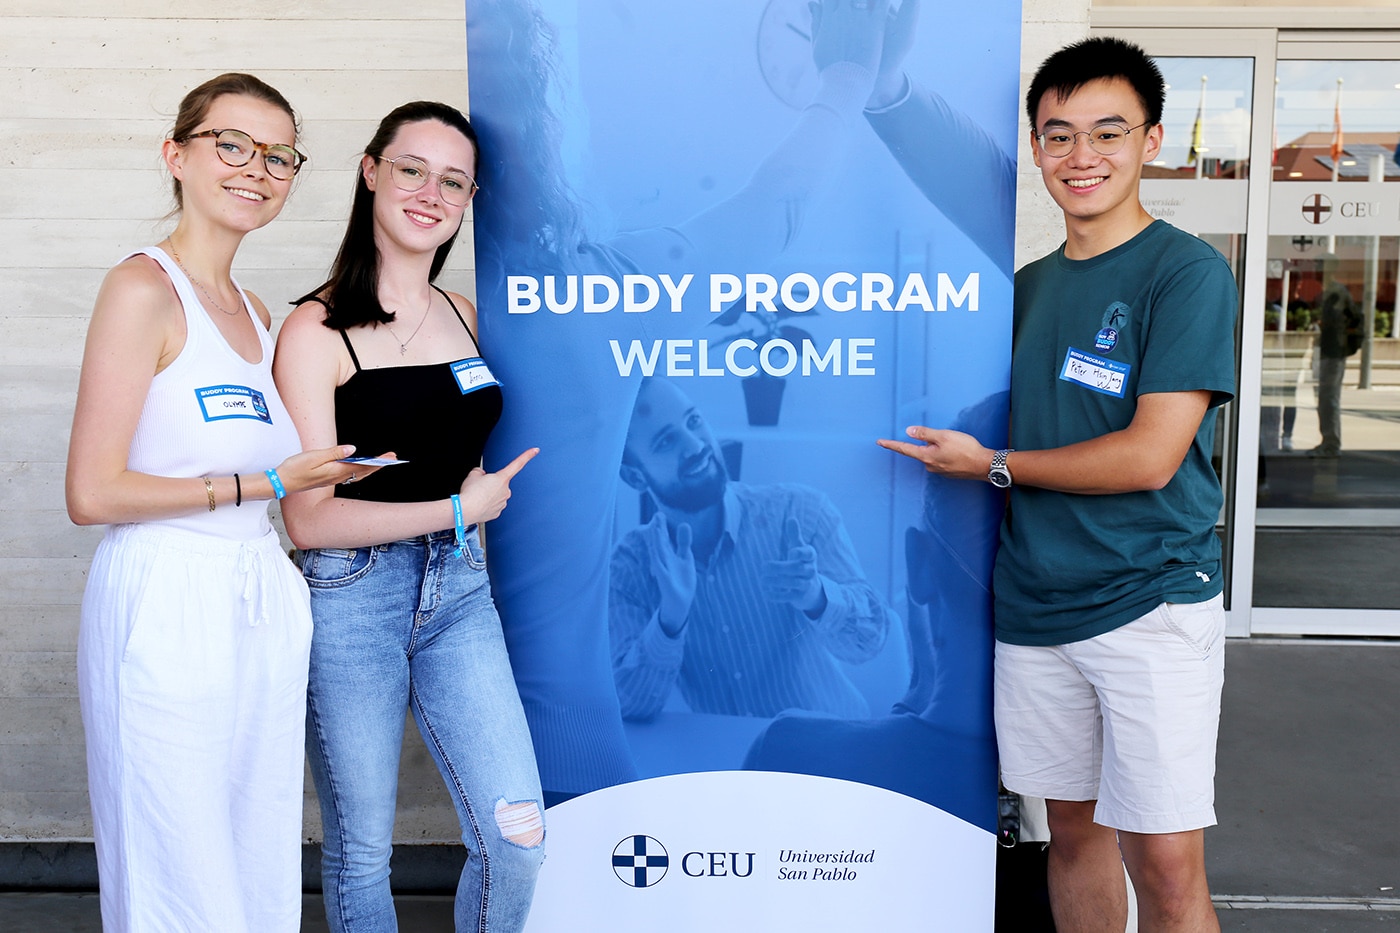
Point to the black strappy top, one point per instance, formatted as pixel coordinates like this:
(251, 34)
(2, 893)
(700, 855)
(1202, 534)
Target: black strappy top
(421, 414)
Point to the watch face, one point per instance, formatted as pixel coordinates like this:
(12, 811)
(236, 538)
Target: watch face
(785, 51)
(1000, 479)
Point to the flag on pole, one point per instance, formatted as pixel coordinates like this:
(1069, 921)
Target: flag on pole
(1198, 129)
(1337, 143)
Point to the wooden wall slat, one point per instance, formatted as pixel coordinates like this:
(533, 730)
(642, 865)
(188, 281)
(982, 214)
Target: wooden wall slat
(215, 45)
(90, 89)
(154, 93)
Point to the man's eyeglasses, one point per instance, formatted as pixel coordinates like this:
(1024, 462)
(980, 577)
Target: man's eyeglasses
(236, 148)
(1105, 139)
(410, 174)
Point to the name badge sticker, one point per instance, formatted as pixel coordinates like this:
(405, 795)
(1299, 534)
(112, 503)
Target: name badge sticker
(219, 403)
(1093, 372)
(473, 374)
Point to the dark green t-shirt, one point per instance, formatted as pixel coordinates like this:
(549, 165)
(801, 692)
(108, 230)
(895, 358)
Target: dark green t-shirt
(1156, 314)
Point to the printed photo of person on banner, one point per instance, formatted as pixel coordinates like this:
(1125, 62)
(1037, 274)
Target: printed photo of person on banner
(682, 208)
(743, 598)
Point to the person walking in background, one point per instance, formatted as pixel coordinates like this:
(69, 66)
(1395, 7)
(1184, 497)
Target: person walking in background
(1338, 330)
(380, 357)
(1109, 617)
(195, 626)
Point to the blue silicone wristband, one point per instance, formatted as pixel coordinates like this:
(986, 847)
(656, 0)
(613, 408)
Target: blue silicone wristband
(278, 489)
(458, 526)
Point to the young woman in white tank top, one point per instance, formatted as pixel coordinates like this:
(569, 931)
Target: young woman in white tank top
(195, 629)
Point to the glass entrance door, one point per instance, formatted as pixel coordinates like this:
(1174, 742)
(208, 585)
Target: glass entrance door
(1200, 183)
(1327, 543)
(1255, 131)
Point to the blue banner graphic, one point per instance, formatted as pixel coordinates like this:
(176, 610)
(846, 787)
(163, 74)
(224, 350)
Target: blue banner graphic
(721, 248)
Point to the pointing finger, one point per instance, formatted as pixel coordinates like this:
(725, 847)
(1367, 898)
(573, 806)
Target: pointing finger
(904, 447)
(508, 471)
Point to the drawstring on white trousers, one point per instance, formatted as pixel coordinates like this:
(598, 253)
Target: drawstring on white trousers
(250, 564)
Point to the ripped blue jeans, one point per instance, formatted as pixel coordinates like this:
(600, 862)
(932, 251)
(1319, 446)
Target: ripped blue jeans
(410, 625)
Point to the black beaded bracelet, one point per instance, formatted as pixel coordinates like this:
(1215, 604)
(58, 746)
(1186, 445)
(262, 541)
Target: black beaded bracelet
(237, 491)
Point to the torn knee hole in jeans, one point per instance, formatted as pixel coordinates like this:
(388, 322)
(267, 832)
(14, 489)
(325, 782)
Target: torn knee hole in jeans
(521, 823)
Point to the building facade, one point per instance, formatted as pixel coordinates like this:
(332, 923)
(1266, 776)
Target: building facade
(90, 91)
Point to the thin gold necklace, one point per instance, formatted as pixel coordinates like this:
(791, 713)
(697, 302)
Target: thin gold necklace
(214, 301)
(403, 344)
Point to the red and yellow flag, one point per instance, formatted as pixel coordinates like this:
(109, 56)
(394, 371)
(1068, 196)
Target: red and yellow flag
(1337, 143)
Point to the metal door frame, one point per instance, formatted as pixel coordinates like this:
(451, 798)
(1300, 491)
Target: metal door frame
(1266, 45)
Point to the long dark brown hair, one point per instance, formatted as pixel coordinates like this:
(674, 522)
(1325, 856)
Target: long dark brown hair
(351, 294)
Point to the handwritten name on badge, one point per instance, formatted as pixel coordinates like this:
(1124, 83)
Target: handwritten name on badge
(219, 403)
(473, 374)
(1107, 376)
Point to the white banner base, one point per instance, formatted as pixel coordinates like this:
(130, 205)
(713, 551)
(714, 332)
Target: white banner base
(760, 852)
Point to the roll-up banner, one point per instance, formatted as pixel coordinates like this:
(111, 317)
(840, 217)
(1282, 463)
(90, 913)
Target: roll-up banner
(721, 248)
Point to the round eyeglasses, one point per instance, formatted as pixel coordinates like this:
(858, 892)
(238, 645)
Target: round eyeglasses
(1105, 139)
(410, 174)
(236, 148)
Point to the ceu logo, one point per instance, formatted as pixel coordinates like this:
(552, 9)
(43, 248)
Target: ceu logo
(640, 861)
(1317, 208)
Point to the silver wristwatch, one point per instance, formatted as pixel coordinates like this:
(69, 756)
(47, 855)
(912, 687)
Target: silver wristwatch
(999, 476)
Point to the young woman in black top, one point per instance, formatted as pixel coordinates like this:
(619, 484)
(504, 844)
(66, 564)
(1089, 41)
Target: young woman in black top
(380, 357)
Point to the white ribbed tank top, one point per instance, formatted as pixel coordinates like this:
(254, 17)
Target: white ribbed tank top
(212, 413)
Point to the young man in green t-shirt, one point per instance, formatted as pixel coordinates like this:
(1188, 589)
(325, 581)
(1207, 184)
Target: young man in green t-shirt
(1109, 617)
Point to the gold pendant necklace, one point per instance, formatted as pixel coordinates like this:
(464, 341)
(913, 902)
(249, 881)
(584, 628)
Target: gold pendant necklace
(403, 344)
(199, 284)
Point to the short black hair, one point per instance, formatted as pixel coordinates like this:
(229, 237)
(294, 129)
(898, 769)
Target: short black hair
(1093, 59)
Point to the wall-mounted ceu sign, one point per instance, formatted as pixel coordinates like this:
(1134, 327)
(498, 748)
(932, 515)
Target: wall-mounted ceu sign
(1317, 208)
(640, 861)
